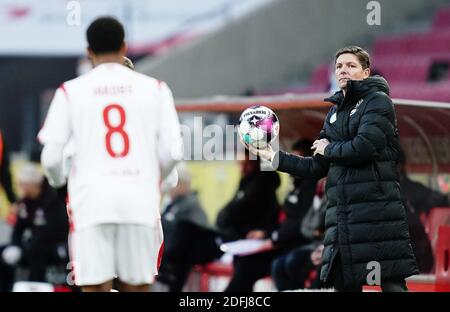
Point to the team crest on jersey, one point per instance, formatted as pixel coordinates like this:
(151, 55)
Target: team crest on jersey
(333, 118)
(356, 107)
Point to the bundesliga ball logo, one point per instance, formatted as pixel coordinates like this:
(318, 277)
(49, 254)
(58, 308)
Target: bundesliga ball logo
(258, 126)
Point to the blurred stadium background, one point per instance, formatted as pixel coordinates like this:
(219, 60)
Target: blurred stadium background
(220, 56)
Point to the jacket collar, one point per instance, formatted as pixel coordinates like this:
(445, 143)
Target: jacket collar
(358, 89)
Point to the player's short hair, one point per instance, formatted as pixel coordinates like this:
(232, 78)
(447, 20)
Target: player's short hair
(105, 35)
(362, 55)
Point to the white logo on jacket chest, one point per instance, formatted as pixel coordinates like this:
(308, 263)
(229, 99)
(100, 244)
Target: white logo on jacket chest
(356, 107)
(333, 118)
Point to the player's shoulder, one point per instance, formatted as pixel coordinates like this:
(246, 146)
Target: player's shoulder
(150, 82)
(69, 84)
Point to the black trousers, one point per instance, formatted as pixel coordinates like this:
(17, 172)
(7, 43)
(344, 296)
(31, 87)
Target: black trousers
(337, 277)
(250, 268)
(291, 270)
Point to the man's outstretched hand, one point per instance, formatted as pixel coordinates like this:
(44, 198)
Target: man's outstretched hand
(266, 153)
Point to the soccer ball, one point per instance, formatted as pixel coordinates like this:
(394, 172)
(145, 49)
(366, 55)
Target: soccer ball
(258, 126)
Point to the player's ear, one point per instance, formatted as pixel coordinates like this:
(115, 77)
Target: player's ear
(90, 53)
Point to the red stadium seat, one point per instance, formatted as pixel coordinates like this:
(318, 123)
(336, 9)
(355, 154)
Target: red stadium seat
(390, 45)
(437, 217)
(212, 269)
(443, 259)
(442, 19)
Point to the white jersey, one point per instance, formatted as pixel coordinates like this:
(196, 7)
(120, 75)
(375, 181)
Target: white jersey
(125, 131)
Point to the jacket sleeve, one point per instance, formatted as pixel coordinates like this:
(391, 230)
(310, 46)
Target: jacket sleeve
(376, 125)
(315, 167)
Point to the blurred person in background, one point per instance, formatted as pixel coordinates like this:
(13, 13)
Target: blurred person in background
(5, 174)
(254, 206)
(358, 150)
(188, 240)
(253, 214)
(282, 237)
(300, 267)
(418, 200)
(39, 237)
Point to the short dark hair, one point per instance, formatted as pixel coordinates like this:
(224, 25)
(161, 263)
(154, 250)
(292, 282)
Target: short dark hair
(362, 55)
(105, 35)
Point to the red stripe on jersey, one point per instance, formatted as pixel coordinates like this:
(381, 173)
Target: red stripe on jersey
(69, 214)
(65, 91)
(71, 233)
(72, 257)
(160, 254)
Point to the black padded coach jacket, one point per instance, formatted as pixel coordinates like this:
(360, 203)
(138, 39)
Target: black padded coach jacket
(365, 219)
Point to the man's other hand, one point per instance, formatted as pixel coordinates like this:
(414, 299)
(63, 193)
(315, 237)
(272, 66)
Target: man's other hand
(319, 146)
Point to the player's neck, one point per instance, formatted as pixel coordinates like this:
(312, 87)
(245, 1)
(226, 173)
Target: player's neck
(107, 58)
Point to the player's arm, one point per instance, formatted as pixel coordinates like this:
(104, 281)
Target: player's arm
(54, 135)
(170, 145)
(315, 167)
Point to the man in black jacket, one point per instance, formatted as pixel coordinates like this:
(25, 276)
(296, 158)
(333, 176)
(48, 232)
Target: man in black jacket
(39, 236)
(367, 239)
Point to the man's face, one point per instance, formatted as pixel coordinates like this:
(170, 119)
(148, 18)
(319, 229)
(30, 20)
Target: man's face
(348, 67)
